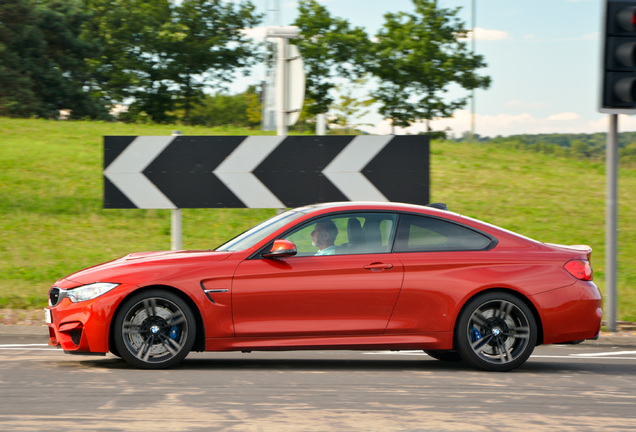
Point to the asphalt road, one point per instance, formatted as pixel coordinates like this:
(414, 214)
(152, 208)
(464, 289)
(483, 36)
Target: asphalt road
(587, 387)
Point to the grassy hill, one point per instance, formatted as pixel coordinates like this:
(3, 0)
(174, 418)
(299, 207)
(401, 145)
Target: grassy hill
(52, 221)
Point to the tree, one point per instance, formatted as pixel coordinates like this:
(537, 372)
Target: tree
(18, 30)
(207, 45)
(330, 47)
(130, 64)
(43, 68)
(350, 107)
(162, 53)
(416, 57)
(221, 109)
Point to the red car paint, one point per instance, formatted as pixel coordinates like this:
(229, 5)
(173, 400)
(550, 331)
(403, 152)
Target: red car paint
(355, 300)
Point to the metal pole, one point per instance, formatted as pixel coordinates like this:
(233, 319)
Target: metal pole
(472, 97)
(175, 222)
(611, 223)
(281, 83)
(321, 124)
(175, 230)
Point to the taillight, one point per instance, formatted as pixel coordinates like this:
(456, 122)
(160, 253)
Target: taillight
(580, 269)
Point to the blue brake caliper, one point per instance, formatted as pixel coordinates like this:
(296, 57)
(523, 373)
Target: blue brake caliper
(174, 332)
(475, 335)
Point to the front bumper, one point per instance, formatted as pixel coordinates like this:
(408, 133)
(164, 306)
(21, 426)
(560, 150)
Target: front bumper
(83, 327)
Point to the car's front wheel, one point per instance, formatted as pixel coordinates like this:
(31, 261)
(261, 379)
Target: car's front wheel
(154, 329)
(496, 332)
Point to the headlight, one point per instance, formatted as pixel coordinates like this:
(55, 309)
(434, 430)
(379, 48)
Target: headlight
(89, 292)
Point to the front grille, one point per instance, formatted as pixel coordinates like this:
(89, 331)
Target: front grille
(76, 336)
(54, 296)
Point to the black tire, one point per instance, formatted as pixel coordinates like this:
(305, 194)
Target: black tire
(154, 330)
(496, 332)
(444, 355)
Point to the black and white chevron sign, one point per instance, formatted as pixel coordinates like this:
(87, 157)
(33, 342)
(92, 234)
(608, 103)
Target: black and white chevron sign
(168, 172)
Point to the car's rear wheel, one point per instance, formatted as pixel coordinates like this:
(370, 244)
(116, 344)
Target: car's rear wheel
(496, 332)
(154, 329)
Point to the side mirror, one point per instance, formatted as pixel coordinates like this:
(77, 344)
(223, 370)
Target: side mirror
(281, 249)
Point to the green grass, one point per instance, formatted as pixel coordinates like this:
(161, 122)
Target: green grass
(52, 221)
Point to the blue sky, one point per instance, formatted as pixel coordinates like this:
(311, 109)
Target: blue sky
(542, 55)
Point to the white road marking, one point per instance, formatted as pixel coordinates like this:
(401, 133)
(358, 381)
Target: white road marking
(22, 345)
(602, 354)
(27, 347)
(616, 355)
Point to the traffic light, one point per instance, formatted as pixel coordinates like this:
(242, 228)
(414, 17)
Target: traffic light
(618, 76)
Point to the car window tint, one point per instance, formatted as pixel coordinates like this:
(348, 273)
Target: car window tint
(357, 233)
(426, 234)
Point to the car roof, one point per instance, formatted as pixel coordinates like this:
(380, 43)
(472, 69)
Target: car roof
(375, 205)
(495, 230)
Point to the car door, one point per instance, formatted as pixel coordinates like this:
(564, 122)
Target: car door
(352, 291)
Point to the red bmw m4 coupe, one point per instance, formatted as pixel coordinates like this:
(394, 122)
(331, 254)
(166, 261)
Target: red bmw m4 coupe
(337, 276)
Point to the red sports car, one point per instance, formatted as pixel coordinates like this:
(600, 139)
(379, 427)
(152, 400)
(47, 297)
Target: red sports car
(337, 276)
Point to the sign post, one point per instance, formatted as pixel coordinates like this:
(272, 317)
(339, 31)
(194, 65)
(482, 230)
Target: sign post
(176, 224)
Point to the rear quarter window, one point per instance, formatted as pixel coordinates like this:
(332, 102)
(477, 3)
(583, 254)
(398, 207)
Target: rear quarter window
(427, 234)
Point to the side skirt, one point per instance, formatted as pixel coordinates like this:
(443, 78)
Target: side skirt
(431, 341)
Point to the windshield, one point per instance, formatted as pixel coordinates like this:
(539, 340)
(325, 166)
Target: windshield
(254, 235)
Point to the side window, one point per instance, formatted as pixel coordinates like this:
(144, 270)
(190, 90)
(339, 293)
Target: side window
(345, 234)
(425, 234)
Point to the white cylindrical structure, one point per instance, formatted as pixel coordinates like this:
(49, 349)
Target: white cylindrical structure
(175, 221)
(321, 124)
(281, 83)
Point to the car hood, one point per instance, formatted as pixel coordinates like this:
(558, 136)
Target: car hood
(152, 264)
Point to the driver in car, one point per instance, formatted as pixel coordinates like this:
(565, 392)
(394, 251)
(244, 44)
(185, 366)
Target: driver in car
(324, 236)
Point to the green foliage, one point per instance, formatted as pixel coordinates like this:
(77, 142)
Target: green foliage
(162, 53)
(43, 69)
(628, 154)
(127, 34)
(86, 56)
(416, 57)
(349, 108)
(242, 110)
(575, 146)
(207, 46)
(330, 47)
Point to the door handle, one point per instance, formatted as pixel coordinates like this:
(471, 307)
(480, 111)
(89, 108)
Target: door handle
(378, 266)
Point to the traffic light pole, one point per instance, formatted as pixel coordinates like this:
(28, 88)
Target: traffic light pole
(617, 96)
(611, 225)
